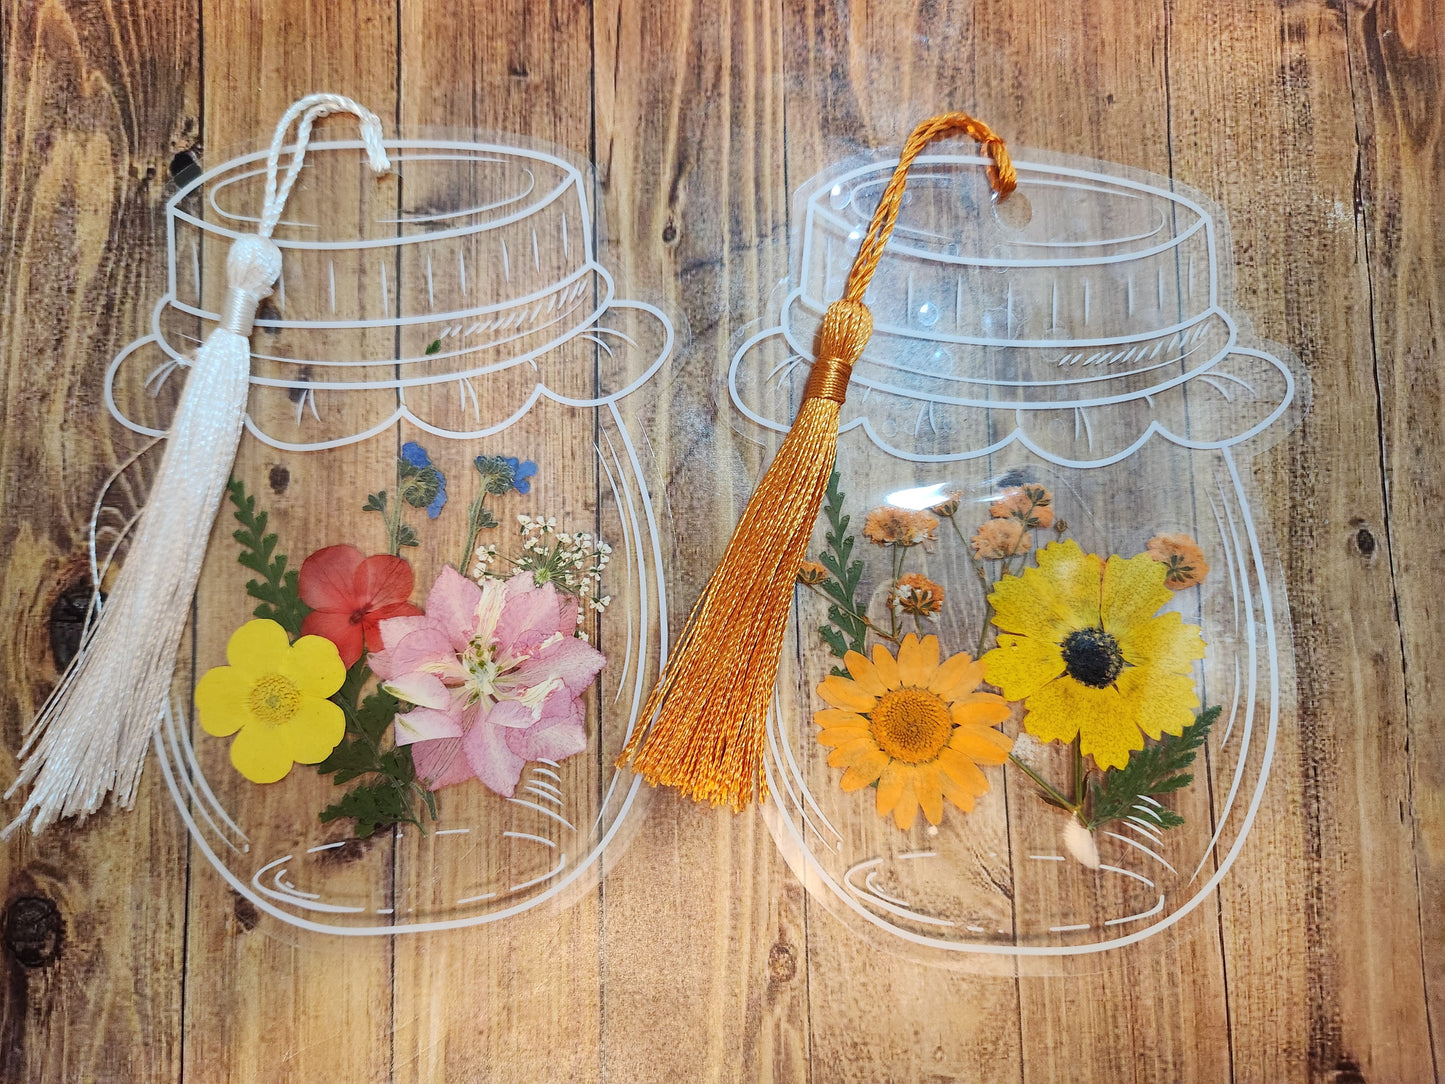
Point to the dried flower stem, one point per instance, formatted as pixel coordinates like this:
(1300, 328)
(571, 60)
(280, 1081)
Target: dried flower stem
(891, 637)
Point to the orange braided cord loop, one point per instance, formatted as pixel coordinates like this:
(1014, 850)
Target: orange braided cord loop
(1001, 178)
(704, 727)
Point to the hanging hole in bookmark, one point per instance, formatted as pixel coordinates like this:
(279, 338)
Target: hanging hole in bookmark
(1013, 213)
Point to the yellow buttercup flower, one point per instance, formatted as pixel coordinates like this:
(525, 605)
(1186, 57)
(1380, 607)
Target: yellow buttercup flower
(1082, 644)
(275, 694)
(916, 726)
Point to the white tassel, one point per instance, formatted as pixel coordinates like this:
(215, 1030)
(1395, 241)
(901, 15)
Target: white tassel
(91, 736)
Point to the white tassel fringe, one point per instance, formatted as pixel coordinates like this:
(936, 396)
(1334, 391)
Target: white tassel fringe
(91, 736)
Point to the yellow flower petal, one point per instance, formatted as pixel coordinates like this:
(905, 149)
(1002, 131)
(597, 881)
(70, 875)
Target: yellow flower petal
(917, 660)
(956, 793)
(258, 647)
(867, 769)
(981, 744)
(957, 677)
(1165, 702)
(1133, 592)
(929, 791)
(314, 731)
(842, 735)
(1021, 665)
(1075, 577)
(1103, 719)
(315, 666)
(1164, 641)
(1050, 601)
(887, 667)
(890, 787)
(980, 709)
(838, 717)
(865, 674)
(850, 752)
(843, 693)
(1053, 712)
(223, 700)
(907, 808)
(962, 770)
(261, 754)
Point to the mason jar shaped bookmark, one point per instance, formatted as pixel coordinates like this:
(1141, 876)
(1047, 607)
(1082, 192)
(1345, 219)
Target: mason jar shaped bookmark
(432, 603)
(1040, 648)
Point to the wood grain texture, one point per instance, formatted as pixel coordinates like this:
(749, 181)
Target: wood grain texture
(1317, 126)
(91, 125)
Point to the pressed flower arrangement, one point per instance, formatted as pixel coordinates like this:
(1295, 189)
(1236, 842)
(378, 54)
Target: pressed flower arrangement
(394, 701)
(1086, 654)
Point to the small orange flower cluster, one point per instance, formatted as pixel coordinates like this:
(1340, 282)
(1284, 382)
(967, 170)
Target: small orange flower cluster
(1030, 504)
(1019, 510)
(917, 595)
(812, 572)
(1183, 560)
(890, 526)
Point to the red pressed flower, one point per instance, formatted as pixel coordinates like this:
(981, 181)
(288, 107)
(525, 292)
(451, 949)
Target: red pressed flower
(351, 594)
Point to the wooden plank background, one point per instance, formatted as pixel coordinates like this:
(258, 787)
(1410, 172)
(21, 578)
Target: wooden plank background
(1316, 124)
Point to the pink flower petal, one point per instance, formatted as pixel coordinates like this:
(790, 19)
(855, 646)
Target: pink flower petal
(426, 725)
(575, 661)
(441, 763)
(371, 625)
(452, 606)
(423, 690)
(393, 630)
(491, 759)
(564, 738)
(529, 617)
(566, 614)
(426, 647)
(327, 580)
(511, 714)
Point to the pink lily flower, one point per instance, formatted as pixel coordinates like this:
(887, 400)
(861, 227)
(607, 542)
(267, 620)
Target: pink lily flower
(494, 676)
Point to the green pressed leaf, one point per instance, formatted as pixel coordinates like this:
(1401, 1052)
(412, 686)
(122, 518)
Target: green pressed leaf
(845, 630)
(389, 785)
(1158, 768)
(373, 806)
(277, 590)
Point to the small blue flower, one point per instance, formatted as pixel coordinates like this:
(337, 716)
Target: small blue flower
(521, 471)
(415, 454)
(423, 484)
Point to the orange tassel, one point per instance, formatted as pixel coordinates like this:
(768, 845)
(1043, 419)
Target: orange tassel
(706, 721)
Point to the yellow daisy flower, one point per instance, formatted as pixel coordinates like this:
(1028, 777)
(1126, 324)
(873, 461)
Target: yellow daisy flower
(1083, 646)
(275, 694)
(916, 726)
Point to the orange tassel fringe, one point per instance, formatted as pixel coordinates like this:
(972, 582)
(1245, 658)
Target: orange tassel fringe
(706, 721)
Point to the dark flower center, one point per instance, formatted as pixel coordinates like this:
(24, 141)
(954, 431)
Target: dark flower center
(1092, 657)
(358, 616)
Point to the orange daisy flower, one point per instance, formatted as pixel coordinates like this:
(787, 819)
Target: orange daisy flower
(916, 726)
